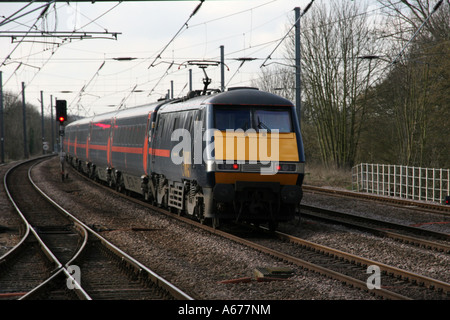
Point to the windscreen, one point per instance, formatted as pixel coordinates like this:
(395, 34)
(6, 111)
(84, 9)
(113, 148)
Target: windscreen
(253, 118)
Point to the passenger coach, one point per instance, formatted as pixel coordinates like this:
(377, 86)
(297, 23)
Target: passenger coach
(231, 155)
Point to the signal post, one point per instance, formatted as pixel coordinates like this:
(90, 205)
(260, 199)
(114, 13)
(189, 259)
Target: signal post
(61, 117)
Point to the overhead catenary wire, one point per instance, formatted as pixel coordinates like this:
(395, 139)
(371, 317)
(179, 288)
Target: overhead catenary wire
(243, 60)
(94, 20)
(167, 72)
(83, 89)
(178, 32)
(402, 50)
(29, 30)
(11, 18)
(162, 77)
(306, 9)
(435, 8)
(157, 78)
(287, 33)
(44, 34)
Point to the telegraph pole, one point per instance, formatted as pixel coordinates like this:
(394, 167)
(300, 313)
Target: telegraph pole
(298, 56)
(298, 85)
(42, 121)
(24, 112)
(2, 124)
(52, 147)
(222, 68)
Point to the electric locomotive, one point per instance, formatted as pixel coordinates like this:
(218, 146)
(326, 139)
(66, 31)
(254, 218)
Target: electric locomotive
(229, 155)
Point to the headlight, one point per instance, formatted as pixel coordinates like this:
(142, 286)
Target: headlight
(228, 166)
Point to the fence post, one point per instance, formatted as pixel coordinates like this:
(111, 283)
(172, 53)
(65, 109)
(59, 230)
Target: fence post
(434, 186)
(420, 183)
(366, 181)
(406, 182)
(395, 179)
(448, 182)
(389, 179)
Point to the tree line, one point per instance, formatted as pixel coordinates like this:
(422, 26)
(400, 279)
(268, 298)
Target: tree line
(14, 140)
(375, 87)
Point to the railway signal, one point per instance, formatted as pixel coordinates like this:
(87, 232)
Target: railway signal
(61, 116)
(61, 111)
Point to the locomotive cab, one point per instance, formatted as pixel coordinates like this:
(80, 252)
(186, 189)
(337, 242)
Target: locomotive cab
(258, 157)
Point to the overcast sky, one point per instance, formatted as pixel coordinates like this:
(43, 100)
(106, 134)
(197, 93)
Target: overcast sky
(87, 72)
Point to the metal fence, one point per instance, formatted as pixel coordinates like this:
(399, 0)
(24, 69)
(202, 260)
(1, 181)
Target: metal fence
(407, 182)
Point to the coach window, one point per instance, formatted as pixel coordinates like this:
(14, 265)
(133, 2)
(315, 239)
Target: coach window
(121, 132)
(175, 124)
(133, 135)
(141, 135)
(160, 126)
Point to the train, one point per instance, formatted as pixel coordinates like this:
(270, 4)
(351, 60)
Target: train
(226, 155)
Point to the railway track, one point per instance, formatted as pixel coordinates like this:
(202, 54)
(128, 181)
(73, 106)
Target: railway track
(395, 283)
(352, 270)
(410, 204)
(59, 257)
(407, 234)
(345, 267)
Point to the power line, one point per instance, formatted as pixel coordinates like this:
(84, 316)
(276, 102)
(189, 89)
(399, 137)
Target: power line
(178, 32)
(29, 30)
(399, 55)
(435, 8)
(10, 18)
(231, 15)
(289, 31)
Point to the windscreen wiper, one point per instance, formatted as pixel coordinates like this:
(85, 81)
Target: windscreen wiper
(262, 125)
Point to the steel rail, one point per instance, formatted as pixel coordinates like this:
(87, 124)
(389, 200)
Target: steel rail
(138, 267)
(279, 255)
(28, 228)
(429, 282)
(378, 231)
(434, 208)
(432, 283)
(30, 232)
(285, 257)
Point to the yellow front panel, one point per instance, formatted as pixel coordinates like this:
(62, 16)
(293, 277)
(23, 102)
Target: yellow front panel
(252, 146)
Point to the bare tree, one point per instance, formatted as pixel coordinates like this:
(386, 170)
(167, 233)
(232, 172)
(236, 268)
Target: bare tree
(13, 122)
(416, 88)
(408, 16)
(335, 36)
(278, 80)
(359, 106)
